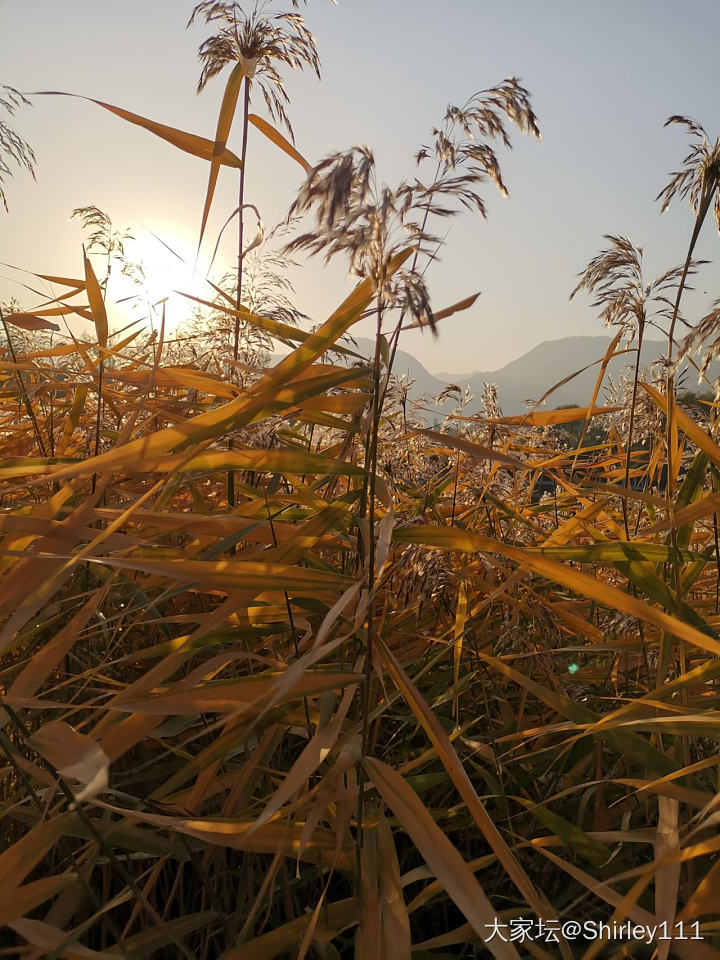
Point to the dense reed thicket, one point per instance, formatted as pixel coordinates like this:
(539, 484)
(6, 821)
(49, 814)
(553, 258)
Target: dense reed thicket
(286, 673)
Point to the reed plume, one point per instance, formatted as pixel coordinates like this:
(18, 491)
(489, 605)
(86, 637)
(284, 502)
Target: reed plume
(13, 149)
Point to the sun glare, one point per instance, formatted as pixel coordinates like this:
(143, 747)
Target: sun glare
(160, 268)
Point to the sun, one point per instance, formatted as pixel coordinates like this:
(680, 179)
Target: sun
(159, 268)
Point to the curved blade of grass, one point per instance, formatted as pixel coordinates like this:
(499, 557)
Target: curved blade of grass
(74, 755)
(685, 951)
(189, 142)
(474, 449)
(239, 412)
(335, 917)
(368, 936)
(690, 490)
(146, 942)
(698, 510)
(452, 538)
(19, 901)
(291, 462)
(395, 922)
(233, 574)
(19, 859)
(461, 615)
(588, 847)
(232, 695)
(49, 938)
(44, 661)
(97, 304)
(626, 743)
(463, 304)
(222, 132)
(698, 436)
(279, 140)
(235, 833)
(545, 418)
(609, 354)
(462, 782)
(620, 551)
(29, 321)
(73, 417)
(310, 758)
(175, 377)
(439, 854)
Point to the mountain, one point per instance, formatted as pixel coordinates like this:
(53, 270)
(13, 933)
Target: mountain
(532, 374)
(407, 365)
(550, 362)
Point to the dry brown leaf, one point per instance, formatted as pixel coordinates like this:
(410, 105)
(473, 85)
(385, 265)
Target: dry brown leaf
(74, 755)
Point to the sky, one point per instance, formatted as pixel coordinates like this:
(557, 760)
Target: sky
(603, 77)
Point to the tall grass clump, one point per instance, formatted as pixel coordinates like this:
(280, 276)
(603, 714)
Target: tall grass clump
(288, 673)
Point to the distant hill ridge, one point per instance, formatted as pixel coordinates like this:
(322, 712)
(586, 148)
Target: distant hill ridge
(532, 374)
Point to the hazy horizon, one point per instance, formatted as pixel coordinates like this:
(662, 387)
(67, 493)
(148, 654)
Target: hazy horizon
(604, 336)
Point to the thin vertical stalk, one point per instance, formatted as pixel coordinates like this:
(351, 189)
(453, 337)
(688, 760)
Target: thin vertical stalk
(238, 294)
(98, 418)
(241, 201)
(370, 561)
(716, 538)
(670, 378)
(631, 426)
(455, 489)
(626, 519)
(291, 621)
(703, 208)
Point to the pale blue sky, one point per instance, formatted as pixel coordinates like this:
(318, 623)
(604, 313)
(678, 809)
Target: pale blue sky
(604, 77)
